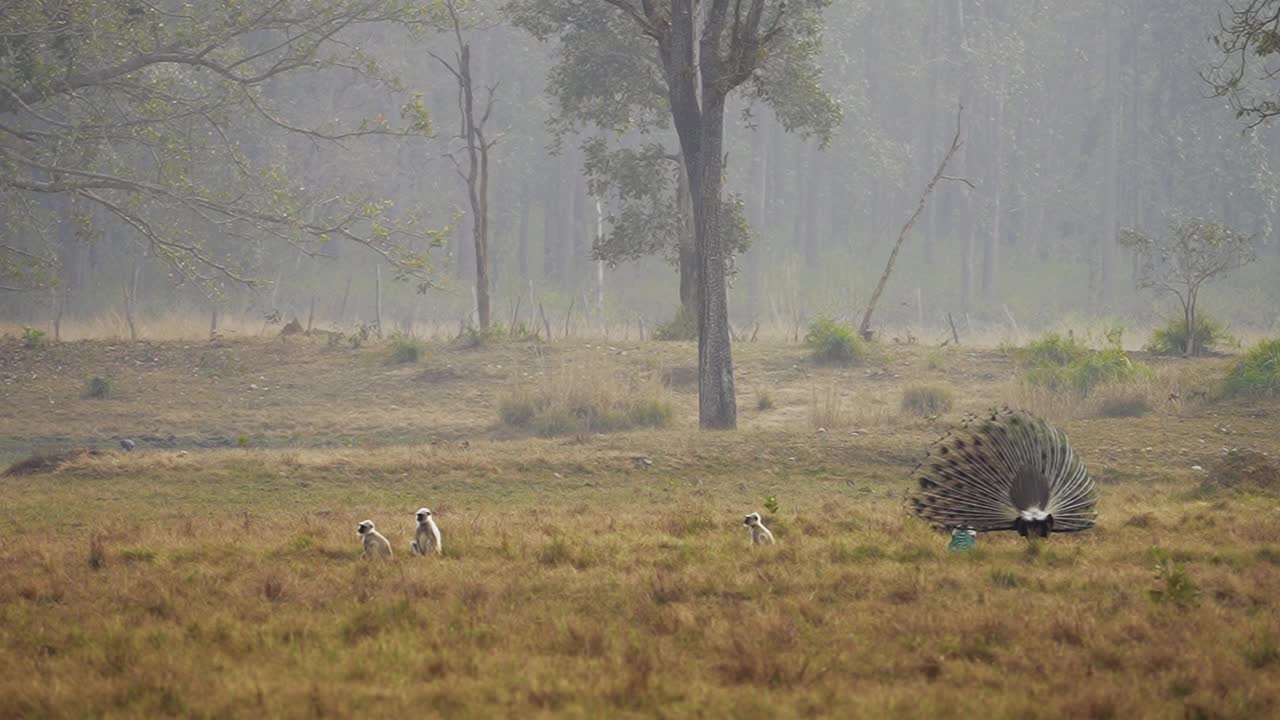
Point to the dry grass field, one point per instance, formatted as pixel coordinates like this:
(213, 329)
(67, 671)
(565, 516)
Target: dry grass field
(215, 571)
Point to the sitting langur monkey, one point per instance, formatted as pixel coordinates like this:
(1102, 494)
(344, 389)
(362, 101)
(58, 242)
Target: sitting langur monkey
(760, 534)
(427, 538)
(375, 546)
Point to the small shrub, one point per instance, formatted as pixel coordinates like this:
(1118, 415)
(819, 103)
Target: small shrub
(97, 388)
(403, 350)
(832, 342)
(771, 504)
(33, 339)
(1257, 373)
(1051, 349)
(1207, 335)
(1128, 402)
(683, 326)
(927, 399)
(1175, 585)
(584, 402)
(764, 399)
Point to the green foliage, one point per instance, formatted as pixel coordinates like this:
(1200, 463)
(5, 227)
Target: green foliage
(242, 440)
(1175, 586)
(1094, 369)
(1208, 335)
(683, 326)
(833, 342)
(403, 349)
(1064, 364)
(98, 388)
(771, 504)
(1051, 349)
(33, 339)
(1257, 373)
(927, 399)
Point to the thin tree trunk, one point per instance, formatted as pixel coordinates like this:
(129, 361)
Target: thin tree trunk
(865, 328)
(377, 298)
(130, 301)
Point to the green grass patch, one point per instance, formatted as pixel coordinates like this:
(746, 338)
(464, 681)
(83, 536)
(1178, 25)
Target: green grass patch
(927, 399)
(1257, 374)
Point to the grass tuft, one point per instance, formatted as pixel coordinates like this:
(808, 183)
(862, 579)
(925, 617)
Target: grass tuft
(98, 388)
(927, 399)
(402, 350)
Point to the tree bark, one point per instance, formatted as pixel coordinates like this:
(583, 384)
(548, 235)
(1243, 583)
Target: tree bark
(687, 252)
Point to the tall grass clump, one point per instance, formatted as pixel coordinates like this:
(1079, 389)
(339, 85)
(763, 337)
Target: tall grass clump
(833, 342)
(1257, 373)
(827, 411)
(581, 401)
(1207, 336)
(927, 399)
(682, 326)
(403, 349)
(1065, 365)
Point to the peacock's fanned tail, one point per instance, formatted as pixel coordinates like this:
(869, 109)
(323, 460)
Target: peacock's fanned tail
(997, 468)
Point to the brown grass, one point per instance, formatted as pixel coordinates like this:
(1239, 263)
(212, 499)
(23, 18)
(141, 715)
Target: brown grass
(579, 581)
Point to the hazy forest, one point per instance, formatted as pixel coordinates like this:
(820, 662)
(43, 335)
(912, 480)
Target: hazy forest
(977, 303)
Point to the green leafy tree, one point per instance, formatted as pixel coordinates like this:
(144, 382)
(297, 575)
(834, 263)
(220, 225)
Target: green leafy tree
(152, 117)
(650, 62)
(1195, 252)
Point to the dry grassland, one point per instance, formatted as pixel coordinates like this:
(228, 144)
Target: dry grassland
(604, 576)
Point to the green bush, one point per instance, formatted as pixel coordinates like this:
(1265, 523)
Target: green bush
(1088, 372)
(1051, 349)
(1207, 335)
(1257, 373)
(927, 399)
(32, 338)
(832, 342)
(98, 388)
(683, 326)
(403, 350)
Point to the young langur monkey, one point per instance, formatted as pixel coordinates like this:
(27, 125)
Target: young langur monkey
(427, 538)
(760, 534)
(375, 546)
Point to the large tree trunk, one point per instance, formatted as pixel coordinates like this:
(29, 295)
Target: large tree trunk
(717, 405)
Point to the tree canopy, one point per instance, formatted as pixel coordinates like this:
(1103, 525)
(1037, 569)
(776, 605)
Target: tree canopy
(153, 116)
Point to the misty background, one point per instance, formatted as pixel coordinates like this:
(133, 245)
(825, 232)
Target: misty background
(1080, 119)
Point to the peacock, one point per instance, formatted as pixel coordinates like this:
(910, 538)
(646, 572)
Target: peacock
(1008, 470)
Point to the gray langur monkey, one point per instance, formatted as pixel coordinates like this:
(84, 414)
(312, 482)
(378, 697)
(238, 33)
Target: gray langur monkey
(427, 537)
(760, 534)
(375, 546)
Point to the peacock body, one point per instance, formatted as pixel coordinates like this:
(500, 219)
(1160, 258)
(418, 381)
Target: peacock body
(1009, 470)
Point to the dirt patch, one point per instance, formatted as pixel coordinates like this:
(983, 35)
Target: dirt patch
(48, 462)
(1245, 470)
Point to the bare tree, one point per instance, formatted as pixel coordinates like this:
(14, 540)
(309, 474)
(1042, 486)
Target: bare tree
(1248, 34)
(1196, 251)
(477, 147)
(865, 328)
